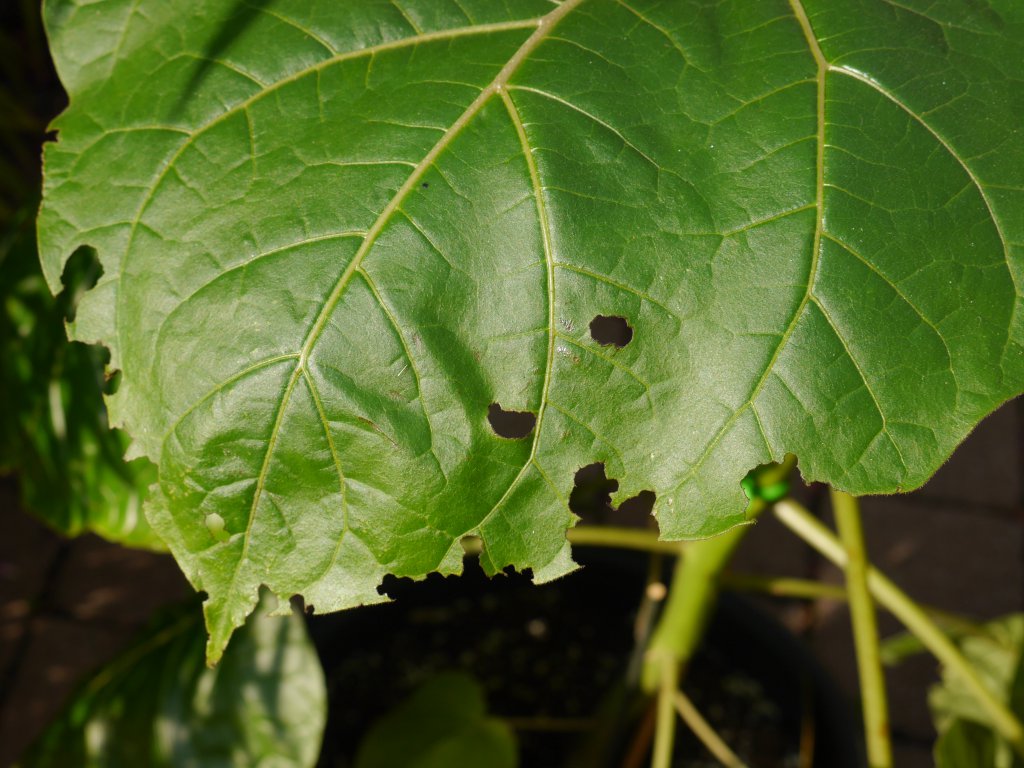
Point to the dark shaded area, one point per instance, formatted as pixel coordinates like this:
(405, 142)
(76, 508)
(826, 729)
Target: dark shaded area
(514, 425)
(29, 97)
(611, 331)
(591, 497)
(67, 606)
(243, 14)
(554, 661)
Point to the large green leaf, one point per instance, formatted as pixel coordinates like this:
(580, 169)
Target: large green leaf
(53, 425)
(336, 233)
(159, 706)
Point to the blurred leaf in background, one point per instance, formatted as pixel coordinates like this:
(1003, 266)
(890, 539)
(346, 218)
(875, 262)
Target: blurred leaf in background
(966, 736)
(444, 724)
(53, 424)
(158, 704)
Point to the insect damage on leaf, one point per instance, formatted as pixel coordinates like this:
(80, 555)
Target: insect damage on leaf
(514, 425)
(611, 331)
(358, 231)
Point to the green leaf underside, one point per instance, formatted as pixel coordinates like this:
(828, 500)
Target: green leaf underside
(158, 705)
(335, 233)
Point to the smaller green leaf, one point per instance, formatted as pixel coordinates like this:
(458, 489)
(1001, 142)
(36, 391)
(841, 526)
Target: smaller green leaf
(965, 744)
(159, 705)
(444, 724)
(966, 736)
(53, 424)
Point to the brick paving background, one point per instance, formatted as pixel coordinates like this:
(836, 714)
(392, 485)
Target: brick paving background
(66, 607)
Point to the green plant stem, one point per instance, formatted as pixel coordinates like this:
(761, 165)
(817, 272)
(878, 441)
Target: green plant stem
(874, 703)
(603, 536)
(806, 589)
(702, 730)
(691, 597)
(694, 589)
(665, 724)
(781, 586)
(807, 527)
(623, 538)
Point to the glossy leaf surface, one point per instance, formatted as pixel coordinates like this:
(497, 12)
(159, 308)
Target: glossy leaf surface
(159, 706)
(336, 234)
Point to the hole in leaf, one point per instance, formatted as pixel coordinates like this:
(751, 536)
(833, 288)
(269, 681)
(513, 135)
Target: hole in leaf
(640, 505)
(611, 331)
(514, 425)
(591, 496)
(111, 381)
(81, 272)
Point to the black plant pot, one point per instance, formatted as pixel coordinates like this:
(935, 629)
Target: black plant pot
(553, 660)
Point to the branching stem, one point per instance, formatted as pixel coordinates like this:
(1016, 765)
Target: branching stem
(665, 724)
(874, 703)
(807, 527)
(702, 730)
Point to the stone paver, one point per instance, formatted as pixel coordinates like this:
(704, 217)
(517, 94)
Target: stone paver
(66, 607)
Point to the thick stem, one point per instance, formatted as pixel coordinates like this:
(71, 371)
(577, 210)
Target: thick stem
(694, 590)
(808, 528)
(702, 730)
(691, 598)
(874, 704)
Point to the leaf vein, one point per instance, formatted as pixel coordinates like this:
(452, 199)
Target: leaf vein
(892, 284)
(863, 377)
(822, 64)
(393, 321)
(336, 458)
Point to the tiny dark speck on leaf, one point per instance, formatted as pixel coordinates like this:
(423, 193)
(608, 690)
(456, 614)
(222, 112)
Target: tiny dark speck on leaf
(514, 425)
(425, 185)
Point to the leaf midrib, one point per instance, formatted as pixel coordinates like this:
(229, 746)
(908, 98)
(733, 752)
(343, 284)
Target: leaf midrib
(824, 67)
(192, 136)
(819, 205)
(496, 86)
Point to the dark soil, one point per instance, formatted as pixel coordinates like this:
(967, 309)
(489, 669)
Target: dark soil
(554, 661)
